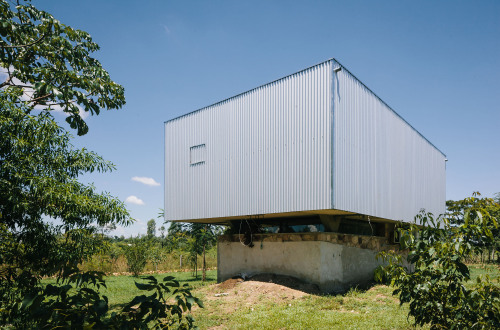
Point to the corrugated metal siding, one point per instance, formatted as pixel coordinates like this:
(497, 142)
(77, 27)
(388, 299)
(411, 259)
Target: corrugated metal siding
(382, 166)
(267, 151)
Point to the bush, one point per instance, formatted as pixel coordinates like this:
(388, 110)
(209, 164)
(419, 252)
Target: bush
(137, 256)
(435, 289)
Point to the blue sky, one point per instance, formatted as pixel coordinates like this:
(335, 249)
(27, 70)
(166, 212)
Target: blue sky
(436, 63)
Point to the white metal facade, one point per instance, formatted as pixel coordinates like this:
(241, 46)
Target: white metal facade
(382, 166)
(314, 140)
(267, 151)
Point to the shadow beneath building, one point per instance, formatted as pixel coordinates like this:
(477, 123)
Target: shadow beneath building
(293, 283)
(287, 281)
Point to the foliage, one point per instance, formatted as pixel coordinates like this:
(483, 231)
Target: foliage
(156, 255)
(76, 303)
(201, 237)
(151, 230)
(60, 306)
(46, 65)
(162, 236)
(157, 308)
(177, 235)
(39, 169)
(50, 64)
(137, 256)
(437, 250)
(456, 214)
(193, 238)
(114, 252)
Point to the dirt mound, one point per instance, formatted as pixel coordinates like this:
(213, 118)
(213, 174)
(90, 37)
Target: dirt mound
(287, 281)
(229, 284)
(277, 288)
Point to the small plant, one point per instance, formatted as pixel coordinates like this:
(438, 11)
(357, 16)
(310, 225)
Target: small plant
(156, 255)
(353, 292)
(136, 255)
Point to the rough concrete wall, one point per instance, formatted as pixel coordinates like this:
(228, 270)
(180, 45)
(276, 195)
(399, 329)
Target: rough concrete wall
(290, 258)
(345, 266)
(332, 266)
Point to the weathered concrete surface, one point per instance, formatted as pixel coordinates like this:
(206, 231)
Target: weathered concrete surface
(333, 261)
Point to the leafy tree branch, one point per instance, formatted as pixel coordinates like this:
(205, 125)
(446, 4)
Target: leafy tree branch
(53, 61)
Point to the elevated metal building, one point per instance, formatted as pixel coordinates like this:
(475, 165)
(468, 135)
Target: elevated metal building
(315, 142)
(314, 167)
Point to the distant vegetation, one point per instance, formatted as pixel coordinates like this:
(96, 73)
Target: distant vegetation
(182, 249)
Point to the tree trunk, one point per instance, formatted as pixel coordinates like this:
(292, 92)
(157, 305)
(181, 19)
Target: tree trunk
(204, 265)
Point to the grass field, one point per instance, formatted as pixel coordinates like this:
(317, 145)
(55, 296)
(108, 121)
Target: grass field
(371, 309)
(251, 307)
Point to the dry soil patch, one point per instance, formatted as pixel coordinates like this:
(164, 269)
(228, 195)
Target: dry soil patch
(237, 293)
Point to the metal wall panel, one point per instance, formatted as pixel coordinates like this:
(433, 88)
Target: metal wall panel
(266, 151)
(382, 166)
(273, 150)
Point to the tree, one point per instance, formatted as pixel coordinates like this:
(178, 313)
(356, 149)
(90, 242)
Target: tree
(39, 169)
(151, 231)
(456, 211)
(49, 64)
(114, 252)
(203, 236)
(434, 289)
(156, 255)
(162, 233)
(176, 228)
(177, 235)
(137, 256)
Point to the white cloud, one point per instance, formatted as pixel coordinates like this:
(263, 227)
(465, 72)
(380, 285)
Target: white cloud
(134, 200)
(145, 180)
(167, 30)
(58, 109)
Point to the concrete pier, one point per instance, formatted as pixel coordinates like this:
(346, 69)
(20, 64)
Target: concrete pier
(332, 261)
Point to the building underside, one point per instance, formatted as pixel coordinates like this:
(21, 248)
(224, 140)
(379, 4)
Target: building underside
(330, 248)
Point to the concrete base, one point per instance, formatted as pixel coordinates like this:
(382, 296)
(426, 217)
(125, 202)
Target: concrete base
(332, 261)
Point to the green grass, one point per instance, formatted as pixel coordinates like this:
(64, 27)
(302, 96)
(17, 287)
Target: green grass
(492, 271)
(374, 308)
(121, 289)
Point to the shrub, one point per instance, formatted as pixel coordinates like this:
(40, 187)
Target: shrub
(435, 289)
(136, 255)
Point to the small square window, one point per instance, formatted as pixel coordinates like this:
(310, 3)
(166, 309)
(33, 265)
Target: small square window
(197, 154)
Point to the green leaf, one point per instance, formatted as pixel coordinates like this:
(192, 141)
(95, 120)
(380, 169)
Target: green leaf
(28, 300)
